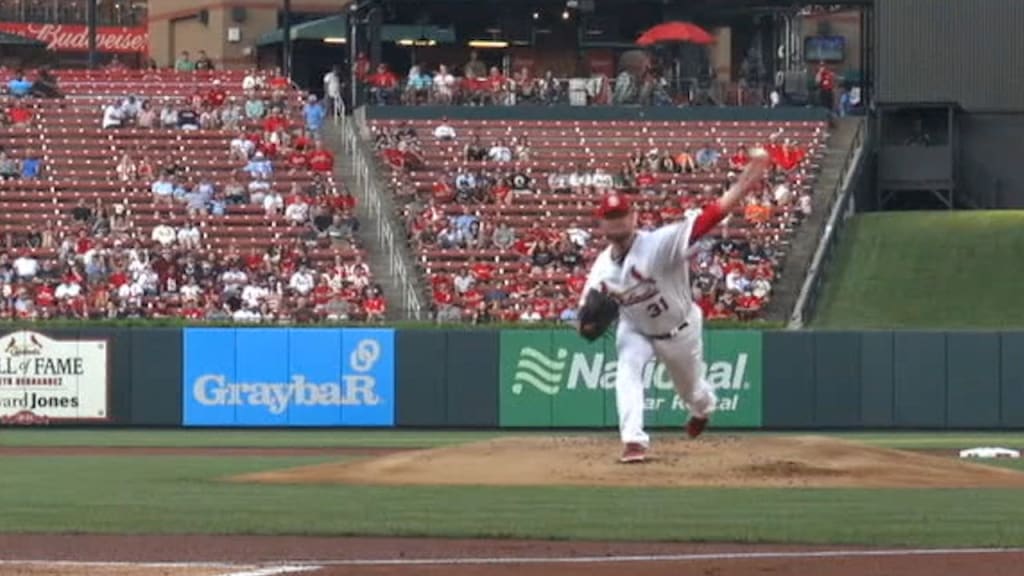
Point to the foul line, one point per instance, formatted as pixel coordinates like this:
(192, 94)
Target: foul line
(725, 556)
(274, 570)
(296, 566)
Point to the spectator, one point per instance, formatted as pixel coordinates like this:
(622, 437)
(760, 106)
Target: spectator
(184, 63)
(707, 158)
(255, 108)
(189, 236)
(504, 237)
(320, 159)
(163, 233)
(231, 114)
(383, 85)
(31, 166)
(297, 210)
(825, 80)
(314, 113)
(19, 114)
(332, 89)
(169, 117)
(273, 203)
(19, 86)
(25, 267)
(444, 131)
(443, 85)
(147, 117)
(302, 281)
(474, 68)
(500, 152)
(188, 118)
(163, 189)
(258, 189)
(259, 166)
(417, 86)
(9, 168)
(203, 61)
(252, 81)
(234, 190)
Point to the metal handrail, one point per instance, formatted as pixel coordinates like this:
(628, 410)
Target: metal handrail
(370, 193)
(841, 210)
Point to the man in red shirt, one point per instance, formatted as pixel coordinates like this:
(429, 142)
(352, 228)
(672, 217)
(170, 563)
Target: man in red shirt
(19, 114)
(216, 96)
(275, 122)
(383, 84)
(297, 160)
(825, 80)
(375, 308)
(321, 160)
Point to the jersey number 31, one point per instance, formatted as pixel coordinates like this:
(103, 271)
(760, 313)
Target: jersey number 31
(654, 309)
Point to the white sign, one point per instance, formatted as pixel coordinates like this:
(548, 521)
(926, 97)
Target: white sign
(52, 379)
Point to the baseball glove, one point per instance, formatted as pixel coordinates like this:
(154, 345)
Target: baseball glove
(597, 314)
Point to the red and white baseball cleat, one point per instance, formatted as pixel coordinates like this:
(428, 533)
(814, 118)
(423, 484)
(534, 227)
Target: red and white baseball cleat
(633, 453)
(695, 426)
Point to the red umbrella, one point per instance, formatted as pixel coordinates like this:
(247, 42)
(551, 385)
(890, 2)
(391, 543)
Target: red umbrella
(675, 32)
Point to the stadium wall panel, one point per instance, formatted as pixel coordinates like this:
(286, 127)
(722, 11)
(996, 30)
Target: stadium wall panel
(877, 391)
(421, 372)
(789, 380)
(472, 357)
(959, 51)
(1011, 379)
(972, 379)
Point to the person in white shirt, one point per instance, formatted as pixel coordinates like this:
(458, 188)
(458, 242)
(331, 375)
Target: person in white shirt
(233, 279)
(164, 234)
(463, 281)
(189, 236)
(444, 85)
(444, 131)
(258, 189)
(190, 292)
(500, 152)
(68, 289)
(302, 281)
(26, 267)
(297, 212)
(530, 315)
(332, 89)
(242, 148)
(602, 180)
(253, 295)
(112, 116)
(252, 81)
(273, 203)
(246, 315)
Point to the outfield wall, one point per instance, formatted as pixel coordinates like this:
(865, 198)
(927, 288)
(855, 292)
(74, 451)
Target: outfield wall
(380, 377)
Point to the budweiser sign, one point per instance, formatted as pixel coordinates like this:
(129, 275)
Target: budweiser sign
(75, 38)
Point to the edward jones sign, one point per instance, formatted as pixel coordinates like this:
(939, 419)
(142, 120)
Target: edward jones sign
(42, 378)
(75, 38)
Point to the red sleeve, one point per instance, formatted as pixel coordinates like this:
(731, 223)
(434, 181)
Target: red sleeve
(711, 215)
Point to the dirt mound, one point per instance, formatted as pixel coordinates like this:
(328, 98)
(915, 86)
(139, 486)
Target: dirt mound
(749, 461)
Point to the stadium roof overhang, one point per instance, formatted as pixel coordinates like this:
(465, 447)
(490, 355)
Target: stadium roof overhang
(334, 29)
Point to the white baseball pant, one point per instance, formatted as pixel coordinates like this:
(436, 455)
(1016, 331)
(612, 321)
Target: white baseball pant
(683, 356)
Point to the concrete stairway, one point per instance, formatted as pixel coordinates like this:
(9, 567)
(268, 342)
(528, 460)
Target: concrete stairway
(805, 241)
(369, 231)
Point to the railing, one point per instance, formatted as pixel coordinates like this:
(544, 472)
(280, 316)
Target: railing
(841, 211)
(370, 192)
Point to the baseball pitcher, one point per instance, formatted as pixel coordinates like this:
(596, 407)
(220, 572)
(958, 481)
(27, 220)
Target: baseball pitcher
(642, 278)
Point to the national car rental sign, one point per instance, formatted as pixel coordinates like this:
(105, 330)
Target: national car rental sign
(75, 38)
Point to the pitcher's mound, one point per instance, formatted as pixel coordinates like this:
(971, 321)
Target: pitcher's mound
(713, 461)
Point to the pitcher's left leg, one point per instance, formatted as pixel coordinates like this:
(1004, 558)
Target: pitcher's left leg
(684, 359)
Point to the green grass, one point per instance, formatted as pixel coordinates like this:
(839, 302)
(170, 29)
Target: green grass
(238, 438)
(186, 494)
(182, 495)
(932, 270)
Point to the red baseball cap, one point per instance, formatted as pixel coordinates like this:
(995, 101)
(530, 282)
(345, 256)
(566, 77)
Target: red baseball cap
(613, 205)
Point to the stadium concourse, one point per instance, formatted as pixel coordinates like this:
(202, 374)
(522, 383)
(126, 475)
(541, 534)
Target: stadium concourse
(500, 213)
(157, 194)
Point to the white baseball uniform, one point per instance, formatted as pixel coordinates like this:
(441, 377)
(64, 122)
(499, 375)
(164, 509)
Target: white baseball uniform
(657, 318)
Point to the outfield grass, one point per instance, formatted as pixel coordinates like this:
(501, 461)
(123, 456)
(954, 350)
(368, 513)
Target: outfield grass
(926, 270)
(186, 494)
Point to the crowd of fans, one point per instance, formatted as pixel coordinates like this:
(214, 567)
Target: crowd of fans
(156, 254)
(731, 278)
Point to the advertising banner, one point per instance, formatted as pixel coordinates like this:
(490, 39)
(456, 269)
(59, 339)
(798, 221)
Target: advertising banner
(553, 378)
(288, 377)
(75, 38)
(42, 379)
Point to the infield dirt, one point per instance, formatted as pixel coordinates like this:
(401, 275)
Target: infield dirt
(719, 460)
